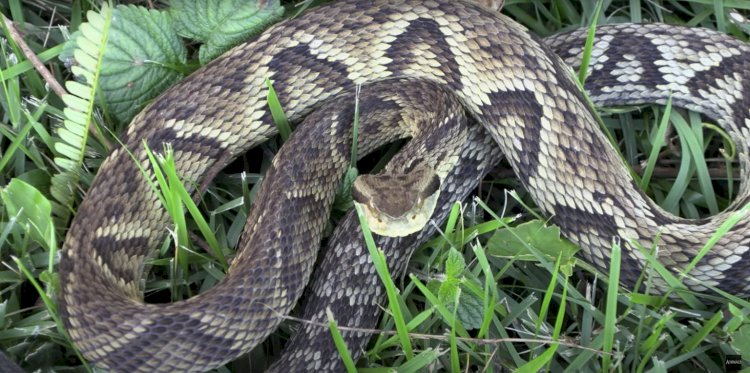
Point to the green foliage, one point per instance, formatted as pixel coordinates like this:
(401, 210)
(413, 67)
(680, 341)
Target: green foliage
(378, 260)
(174, 196)
(340, 343)
(31, 210)
(449, 288)
(453, 291)
(469, 310)
(220, 25)
(741, 341)
(487, 294)
(143, 57)
(610, 316)
(79, 110)
(277, 112)
(519, 241)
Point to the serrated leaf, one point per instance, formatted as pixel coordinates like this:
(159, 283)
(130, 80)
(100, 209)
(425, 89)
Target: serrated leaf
(143, 57)
(434, 286)
(454, 264)
(32, 210)
(221, 24)
(512, 242)
(447, 292)
(470, 310)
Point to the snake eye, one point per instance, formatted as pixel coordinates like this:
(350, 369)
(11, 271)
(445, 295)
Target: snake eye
(414, 217)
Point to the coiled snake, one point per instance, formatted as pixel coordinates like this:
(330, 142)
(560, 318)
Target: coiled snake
(509, 82)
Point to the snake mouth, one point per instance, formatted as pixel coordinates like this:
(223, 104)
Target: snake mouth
(400, 226)
(399, 204)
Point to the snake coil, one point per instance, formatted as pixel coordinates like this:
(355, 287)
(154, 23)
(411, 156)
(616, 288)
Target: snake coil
(510, 83)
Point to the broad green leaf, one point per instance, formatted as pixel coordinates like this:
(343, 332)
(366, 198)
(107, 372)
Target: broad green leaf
(741, 341)
(738, 318)
(455, 264)
(222, 24)
(447, 291)
(32, 210)
(513, 242)
(143, 57)
(470, 310)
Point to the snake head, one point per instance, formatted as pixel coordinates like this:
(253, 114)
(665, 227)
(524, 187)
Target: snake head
(397, 204)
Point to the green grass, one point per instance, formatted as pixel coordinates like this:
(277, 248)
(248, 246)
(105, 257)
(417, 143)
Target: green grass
(463, 307)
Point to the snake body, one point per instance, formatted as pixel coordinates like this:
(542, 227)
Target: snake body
(510, 83)
(339, 268)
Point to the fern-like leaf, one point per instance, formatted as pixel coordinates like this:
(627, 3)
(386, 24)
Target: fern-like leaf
(79, 109)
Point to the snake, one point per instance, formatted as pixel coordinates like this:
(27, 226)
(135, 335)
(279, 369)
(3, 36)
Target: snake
(518, 91)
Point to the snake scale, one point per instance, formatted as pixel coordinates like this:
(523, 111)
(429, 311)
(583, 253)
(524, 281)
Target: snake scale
(509, 82)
